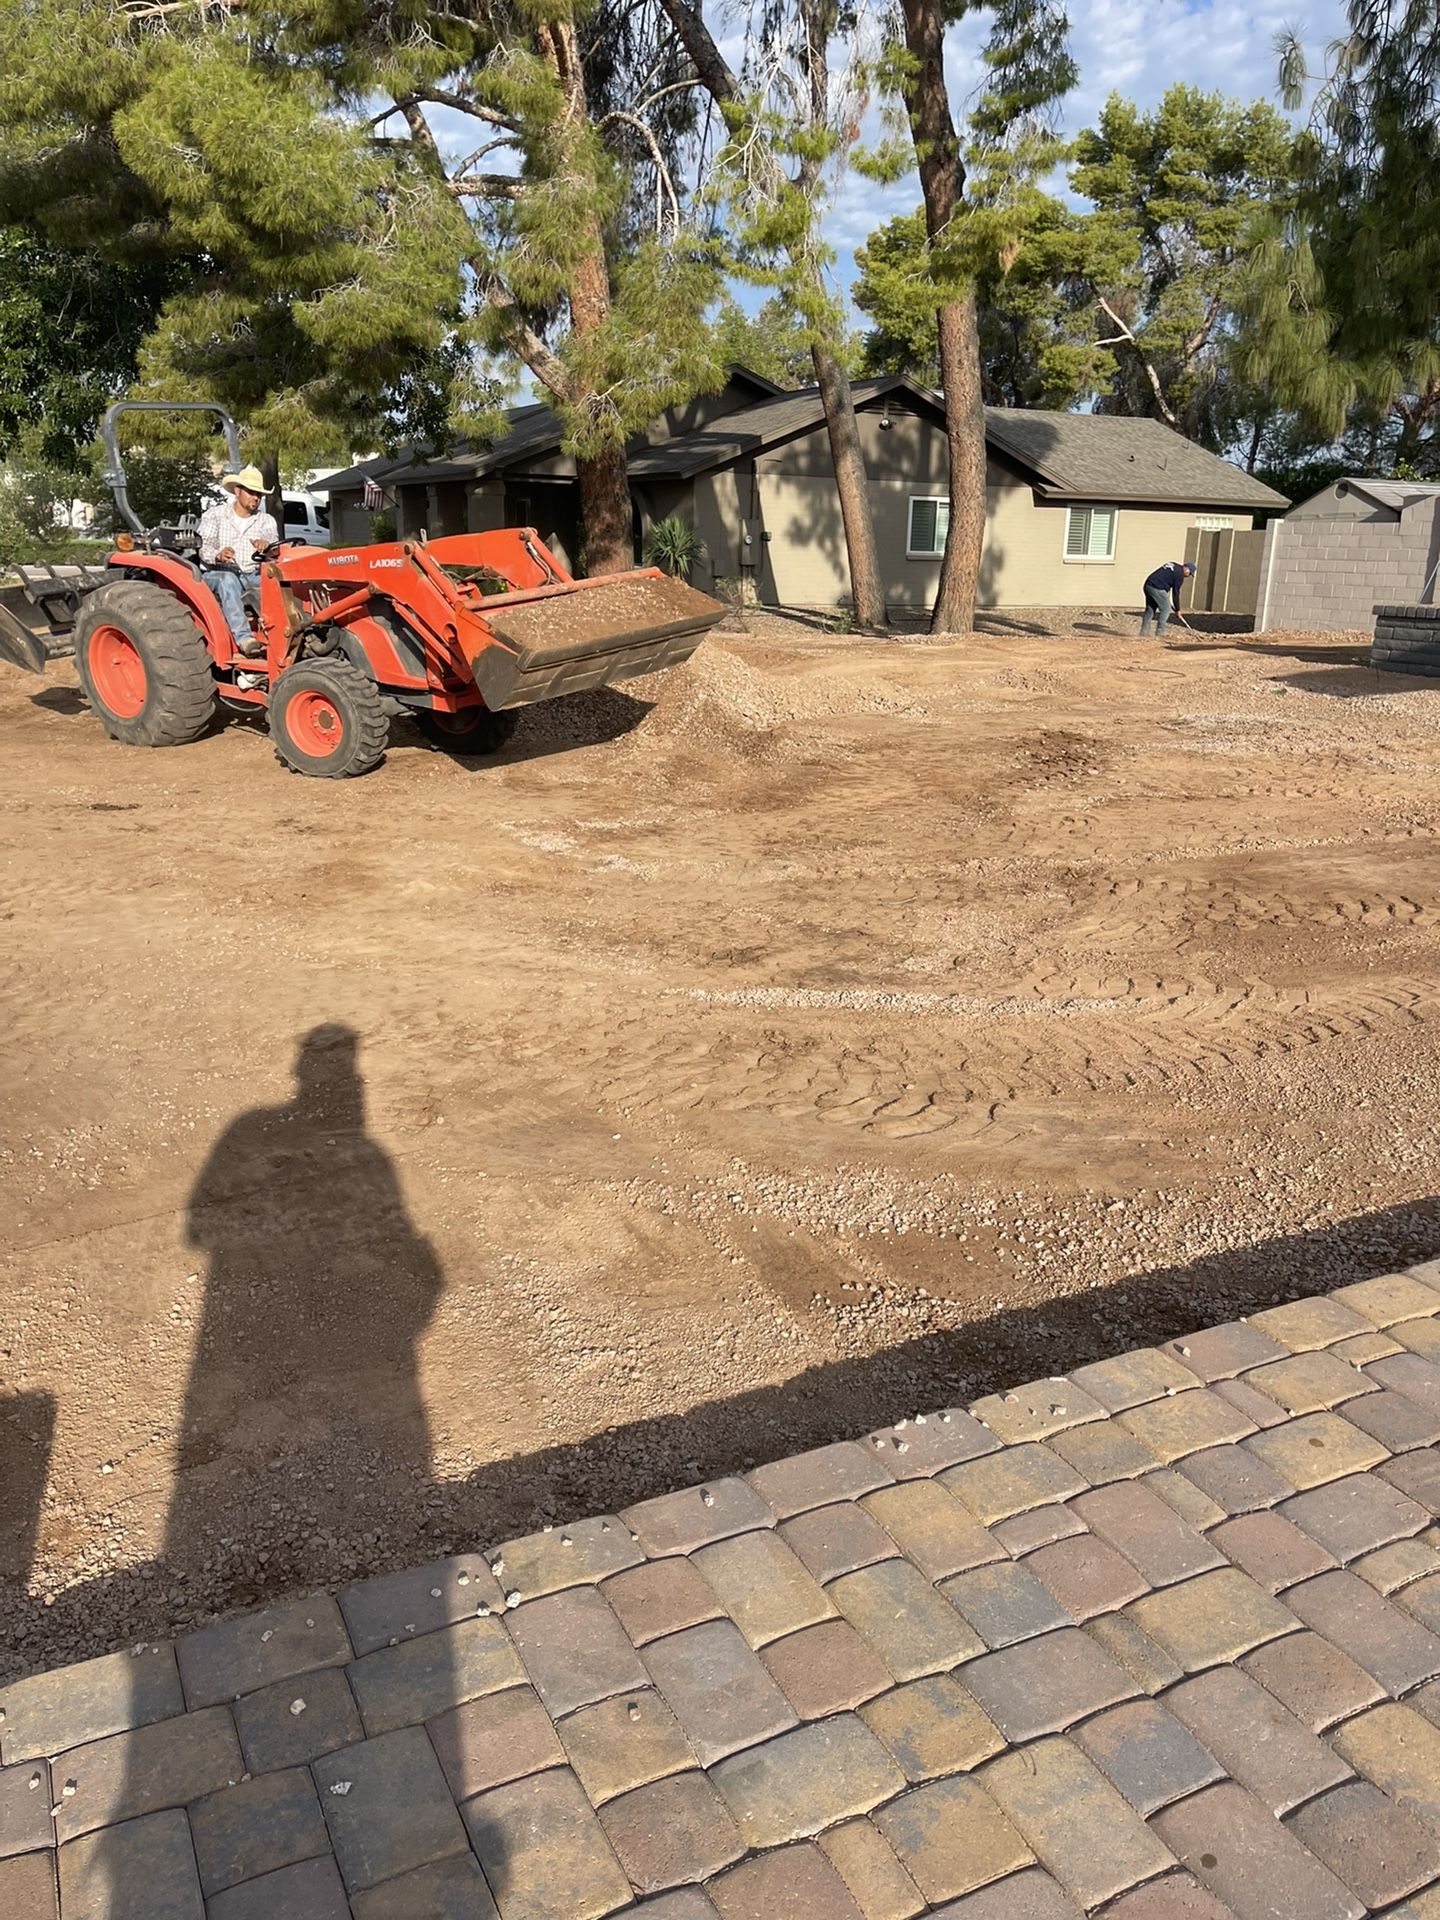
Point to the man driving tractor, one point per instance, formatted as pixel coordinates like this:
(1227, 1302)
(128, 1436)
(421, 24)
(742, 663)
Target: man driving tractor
(231, 533)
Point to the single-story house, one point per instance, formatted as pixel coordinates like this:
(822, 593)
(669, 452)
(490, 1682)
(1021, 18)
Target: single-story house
(1355, 545)
(1080, 507)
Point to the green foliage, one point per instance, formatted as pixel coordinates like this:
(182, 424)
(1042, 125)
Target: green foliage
(166, 488)
(1345, 293)
(1037, 339)
(895, 287)
(1178, 197)
(674, 545)
(1136, 303)
(35, 494)
(650, 351)
(771, 342)
(358, 273)
(71, 324)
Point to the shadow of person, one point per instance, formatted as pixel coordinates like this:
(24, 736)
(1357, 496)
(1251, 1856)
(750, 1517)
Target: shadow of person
(302, 1407)
(303, 1402)
(27, 1432)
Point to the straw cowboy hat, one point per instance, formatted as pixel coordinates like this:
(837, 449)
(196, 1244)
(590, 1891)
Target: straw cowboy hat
(250, 478)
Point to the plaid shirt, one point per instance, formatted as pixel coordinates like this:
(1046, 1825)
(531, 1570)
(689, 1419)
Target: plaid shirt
(221, 526)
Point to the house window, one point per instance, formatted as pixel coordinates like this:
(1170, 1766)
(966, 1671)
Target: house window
(1090, 533)
(929, 525)
(1211, 523)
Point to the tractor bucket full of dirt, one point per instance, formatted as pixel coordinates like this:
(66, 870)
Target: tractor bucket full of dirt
(588, 633)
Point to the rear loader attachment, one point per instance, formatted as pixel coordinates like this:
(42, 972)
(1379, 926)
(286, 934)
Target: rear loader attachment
(20, 644)
(37, 617)
(582, 634)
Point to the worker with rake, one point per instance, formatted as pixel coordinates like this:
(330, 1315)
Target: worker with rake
(232, 533)
(1162, 592)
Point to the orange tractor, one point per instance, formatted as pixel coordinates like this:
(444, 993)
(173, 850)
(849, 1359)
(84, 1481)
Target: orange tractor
(457, 633)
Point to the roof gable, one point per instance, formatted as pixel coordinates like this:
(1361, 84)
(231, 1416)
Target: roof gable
(752, 430)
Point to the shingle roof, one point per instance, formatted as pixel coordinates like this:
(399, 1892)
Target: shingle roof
(1396, 494)
(1080, 456)
(350, 479)
(745, 431)
(1103, 456)
(531, 429)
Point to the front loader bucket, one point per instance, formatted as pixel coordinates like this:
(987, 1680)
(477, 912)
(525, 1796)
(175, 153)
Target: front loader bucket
(588, 633)
(19, 644)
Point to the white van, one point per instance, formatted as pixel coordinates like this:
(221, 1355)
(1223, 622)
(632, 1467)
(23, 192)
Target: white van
(307, 519)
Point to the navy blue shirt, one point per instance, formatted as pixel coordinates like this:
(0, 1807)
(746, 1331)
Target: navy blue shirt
(1169, 580)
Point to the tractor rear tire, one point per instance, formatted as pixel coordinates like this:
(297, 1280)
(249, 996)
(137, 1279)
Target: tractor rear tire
(144, 665)
(327, 721)
(473, 730)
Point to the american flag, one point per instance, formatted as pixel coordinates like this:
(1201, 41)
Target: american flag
(373, 496)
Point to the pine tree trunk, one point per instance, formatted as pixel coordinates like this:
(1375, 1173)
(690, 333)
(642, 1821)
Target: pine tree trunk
(606, 524)
(942, 181)
(274, 503)
(853, 485)
(965, 436)
(851, 481)
(607, 533)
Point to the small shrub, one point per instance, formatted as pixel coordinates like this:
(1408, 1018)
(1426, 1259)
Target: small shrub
(675, 546)
(730, 588)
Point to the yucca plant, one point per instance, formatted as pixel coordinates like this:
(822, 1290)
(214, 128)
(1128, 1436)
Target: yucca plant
(674, 545)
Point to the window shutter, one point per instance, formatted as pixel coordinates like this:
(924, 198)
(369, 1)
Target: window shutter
(924, 517)
(1102, 532)
(1077, 533)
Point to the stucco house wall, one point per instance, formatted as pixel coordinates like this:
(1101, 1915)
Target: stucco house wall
(1023, 561)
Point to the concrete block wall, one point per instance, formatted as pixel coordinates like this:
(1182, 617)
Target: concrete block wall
(1329, 574)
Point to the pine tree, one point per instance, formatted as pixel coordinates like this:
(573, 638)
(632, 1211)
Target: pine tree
(1136, 304)
(1037, 339)
(788, 120)
(1028, 69)
(1344, 297)
(1177, 195)
(387, 194)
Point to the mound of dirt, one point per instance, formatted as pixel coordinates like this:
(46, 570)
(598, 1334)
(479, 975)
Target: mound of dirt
(719, 700)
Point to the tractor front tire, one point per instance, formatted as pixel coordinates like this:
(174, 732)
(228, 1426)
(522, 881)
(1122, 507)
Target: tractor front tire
(472, 730)
(326, 720)
(144, 665)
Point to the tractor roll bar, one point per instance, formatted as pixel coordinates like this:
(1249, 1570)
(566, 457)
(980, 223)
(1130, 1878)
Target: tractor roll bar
(115, 472)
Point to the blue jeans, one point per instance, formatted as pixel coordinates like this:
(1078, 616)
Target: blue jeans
(1157, 608)
(229, 589)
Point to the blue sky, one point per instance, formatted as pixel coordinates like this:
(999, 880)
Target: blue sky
(1137, 48)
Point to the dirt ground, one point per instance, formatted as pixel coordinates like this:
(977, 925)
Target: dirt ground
(406, 1163)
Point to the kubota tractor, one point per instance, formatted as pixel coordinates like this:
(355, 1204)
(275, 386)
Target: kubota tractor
(457, 633)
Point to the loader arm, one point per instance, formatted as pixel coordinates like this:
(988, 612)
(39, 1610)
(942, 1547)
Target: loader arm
(495, 616)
